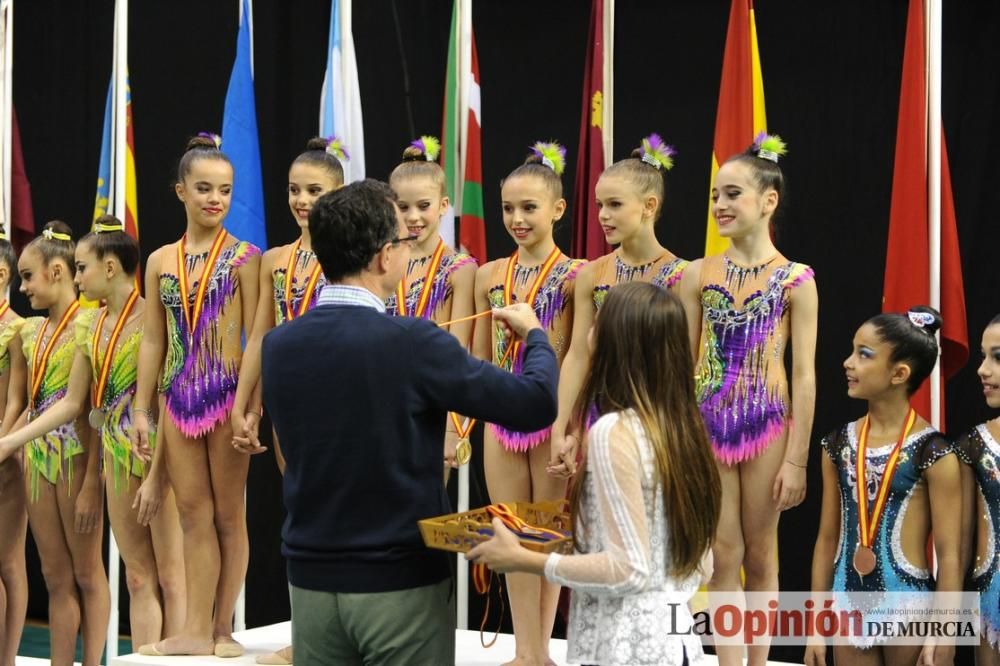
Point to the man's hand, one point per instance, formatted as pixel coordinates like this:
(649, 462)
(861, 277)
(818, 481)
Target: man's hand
(517, 319)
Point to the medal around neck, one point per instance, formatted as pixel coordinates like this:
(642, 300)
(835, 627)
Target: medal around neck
(463, 451)
(96, 418)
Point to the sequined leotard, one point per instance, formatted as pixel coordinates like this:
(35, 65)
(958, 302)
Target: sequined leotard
(303, 260)
(200, 371)
(553, 307)
(7, 332)
(980, 450)
(610, 270)
(740, 379)
(46, 456)
(441, 287)
(119, 392)
(893, 572)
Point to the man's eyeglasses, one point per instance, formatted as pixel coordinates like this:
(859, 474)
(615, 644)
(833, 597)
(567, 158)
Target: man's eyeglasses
(402, 239)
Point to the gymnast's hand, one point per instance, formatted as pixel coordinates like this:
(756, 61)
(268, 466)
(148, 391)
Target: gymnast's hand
(517, 319)
(148, 499)
(789, 486)
(88, 509)
(562, 461)
(138, 434)
(245, 437)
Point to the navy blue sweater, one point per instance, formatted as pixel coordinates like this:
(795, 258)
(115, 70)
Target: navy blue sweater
(359, 401)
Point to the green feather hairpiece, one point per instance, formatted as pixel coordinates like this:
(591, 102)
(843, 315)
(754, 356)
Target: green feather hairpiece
(552, 154)
(769, 146)
(657, 154)
(430, 146)
(336, 147)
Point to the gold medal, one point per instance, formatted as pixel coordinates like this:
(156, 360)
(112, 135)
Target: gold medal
(96, 418)
(463, 451)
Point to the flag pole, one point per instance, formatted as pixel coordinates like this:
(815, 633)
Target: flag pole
(932, 10)
(117, 207)
(6, 105)
(240, 615)
(608, 105)
(462, 80)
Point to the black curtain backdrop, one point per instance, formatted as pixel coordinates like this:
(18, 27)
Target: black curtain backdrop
(831, 79)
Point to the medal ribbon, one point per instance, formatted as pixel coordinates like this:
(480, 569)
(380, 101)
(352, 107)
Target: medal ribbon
(105, 370)
(38, 364)
(425, 292)
(4, 308)
(482, 577)
(463, 433)
(310, 285)
(869, 526)
(508, 290)
(192, 317)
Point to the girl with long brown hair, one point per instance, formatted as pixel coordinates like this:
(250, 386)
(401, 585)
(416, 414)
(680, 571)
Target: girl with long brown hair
(643, 521)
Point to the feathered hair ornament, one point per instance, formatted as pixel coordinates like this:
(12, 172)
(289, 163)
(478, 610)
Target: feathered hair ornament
(657, 154)
(336, 147)
(430, 146)
(769, 147)
(215, 138)
(552, 155)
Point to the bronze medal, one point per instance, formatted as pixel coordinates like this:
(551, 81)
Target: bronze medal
(96, 418)
(463, 451)
(864, 560)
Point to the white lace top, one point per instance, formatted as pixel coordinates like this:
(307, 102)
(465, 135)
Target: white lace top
(624, 604)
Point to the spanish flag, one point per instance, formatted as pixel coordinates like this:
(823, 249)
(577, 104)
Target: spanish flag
(740, 115)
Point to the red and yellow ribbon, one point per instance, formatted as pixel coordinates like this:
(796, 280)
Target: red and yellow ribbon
(463, 433)
(869, 525)
(4, 307)
(508, 290)
(105, 370)
(38, 365)
(192, 315)
(425, 292)
(483, 577)
(310, 285)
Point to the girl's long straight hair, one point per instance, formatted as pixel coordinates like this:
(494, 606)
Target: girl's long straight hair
(642, 361)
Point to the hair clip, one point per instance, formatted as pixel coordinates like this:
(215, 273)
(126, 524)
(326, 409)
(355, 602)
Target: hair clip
(920, 319)
(101, 228)
(769, 146)
(552, 154)
(216, 139)
(48, 234)
(336, 147)
(429, 147)
(657, 154)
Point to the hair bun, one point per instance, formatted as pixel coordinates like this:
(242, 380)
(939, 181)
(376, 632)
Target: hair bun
(58, 230)
(925, 318)
(204, 141)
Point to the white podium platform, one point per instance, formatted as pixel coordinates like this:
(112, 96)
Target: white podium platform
(468, 650)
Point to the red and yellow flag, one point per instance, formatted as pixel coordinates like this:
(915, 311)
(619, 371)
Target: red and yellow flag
(740, 115)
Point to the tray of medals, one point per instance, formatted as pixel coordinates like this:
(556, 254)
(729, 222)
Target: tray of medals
(543, 527)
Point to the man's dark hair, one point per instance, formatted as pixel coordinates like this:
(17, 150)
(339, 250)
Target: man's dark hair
(350, 225)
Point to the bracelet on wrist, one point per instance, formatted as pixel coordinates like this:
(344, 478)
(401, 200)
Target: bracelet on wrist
(792, 462)
(142, 410)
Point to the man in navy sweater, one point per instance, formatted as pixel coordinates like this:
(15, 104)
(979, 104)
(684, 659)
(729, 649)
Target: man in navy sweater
(363, 441)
